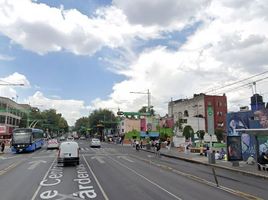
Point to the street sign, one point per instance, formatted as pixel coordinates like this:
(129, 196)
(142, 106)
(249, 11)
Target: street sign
(210, 121)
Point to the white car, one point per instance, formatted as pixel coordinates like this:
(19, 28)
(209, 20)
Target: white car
(68, 153)
(82, 138)
(95, 142)
(52, 144)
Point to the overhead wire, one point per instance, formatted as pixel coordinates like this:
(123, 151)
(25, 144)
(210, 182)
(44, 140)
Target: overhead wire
(236, 82)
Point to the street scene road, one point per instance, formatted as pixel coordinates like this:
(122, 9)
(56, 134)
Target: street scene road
(119, 172)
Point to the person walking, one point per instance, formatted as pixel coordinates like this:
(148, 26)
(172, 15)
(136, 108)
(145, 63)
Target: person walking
(3, 146)
(158, 147)
(137, 145)
(168, 144)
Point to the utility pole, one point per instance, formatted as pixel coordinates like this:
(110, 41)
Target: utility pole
(148, 98)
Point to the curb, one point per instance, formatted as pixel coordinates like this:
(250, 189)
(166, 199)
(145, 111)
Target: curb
(212, 165)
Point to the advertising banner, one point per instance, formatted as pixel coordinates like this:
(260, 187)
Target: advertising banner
(234, 148)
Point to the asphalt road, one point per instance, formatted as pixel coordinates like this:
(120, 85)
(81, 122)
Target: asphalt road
(116, 172)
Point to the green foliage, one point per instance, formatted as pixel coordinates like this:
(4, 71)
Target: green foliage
(81, 123)
(200, 134)
(102, 116)
(219, 145)
(144, 110)
(188, 132)
(219, 134)
(132, 134)
(48, 119)
(165, 133)
(178, 124)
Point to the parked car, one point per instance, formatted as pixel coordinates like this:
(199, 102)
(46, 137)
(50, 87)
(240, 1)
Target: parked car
(70, 138)
(82, 138)
(68, 153)
(95, 142)
(52, 144)
(62, 138)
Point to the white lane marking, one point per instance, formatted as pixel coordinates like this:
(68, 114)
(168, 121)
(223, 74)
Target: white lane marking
(98, 183)
(99, 159)
(125, 158)
(35, 163)
(87, 149)
(39, 187)
(140, 175)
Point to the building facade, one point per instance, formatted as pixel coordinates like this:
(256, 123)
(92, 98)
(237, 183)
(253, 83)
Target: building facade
(10, 115)
(193, 111)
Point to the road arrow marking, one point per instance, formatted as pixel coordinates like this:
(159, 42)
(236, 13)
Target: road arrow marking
(125, 158)
(98, 158)
(35, 163)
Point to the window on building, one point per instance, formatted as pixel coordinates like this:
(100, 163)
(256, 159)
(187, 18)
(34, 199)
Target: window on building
(219, 113)
(123, 130)
(219, 104)
(186, 114)
(2, 119)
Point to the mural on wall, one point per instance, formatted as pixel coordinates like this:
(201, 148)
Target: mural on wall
(241, 120)
(262, 117)
(238, 120)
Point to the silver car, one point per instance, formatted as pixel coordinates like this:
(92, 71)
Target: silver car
(95, 142)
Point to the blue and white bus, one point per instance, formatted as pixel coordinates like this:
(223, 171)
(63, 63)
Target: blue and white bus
(27, 139)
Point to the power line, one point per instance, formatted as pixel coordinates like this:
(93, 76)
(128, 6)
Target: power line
(244, 85)
(234, 83)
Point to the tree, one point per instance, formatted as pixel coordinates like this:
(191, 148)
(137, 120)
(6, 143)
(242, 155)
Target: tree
(81, 125)
(219, 134)
(201, 134)
(188, 132)
(144, 110)
(48, 119)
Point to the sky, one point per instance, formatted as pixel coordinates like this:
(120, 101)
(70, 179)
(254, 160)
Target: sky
(76, 56)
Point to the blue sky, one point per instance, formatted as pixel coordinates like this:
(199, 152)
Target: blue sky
(79, 55)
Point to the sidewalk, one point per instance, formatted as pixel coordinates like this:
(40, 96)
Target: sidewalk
(196, 158)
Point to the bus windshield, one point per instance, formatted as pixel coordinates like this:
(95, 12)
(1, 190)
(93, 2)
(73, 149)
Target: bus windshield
(21, 137)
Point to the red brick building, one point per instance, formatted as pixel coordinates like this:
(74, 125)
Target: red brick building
(194, 111)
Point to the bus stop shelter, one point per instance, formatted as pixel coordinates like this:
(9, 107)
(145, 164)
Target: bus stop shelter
(256, 133)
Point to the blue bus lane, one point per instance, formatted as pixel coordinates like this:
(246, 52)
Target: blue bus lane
(68, 182)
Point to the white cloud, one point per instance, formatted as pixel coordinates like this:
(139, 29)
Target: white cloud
(9, 83)
(71, 110)
(161, 12)
(230, 45)
(6, 58)
(42, 29)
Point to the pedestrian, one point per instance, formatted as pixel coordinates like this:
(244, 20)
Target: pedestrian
(217, 155)
(251, 160)
(137, 145)
(158, 147)
(168, 144)
(141, 145)
(2, 146)
(222, 153)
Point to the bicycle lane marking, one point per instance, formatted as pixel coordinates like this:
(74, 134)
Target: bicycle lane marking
(97, 181)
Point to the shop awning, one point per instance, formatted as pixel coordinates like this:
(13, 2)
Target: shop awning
(151, 134)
